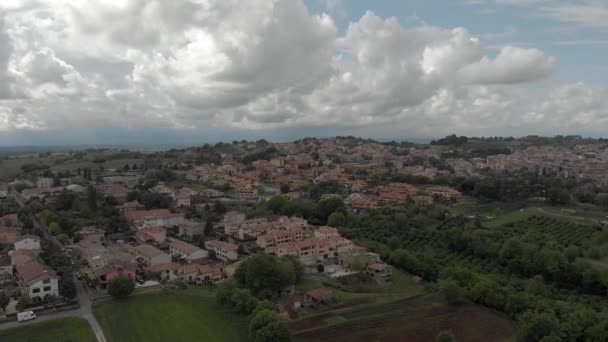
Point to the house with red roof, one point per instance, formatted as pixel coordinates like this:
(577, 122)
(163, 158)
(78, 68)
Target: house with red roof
(155, 234)
(318, 296)
(157, 217)
(38, 281)
(223, 250)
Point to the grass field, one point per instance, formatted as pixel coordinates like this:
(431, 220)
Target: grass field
(414, 319)
(184, 315)
(504, 213)
(60, 330)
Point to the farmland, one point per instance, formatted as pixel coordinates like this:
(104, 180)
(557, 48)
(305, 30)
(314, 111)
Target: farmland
(186, 315)
(59, 330)
(419, 318)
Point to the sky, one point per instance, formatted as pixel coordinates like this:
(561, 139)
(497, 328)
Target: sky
(192, 71)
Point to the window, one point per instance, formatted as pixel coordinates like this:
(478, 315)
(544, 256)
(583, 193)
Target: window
(36, 290)
(46, 281)
(47, 288)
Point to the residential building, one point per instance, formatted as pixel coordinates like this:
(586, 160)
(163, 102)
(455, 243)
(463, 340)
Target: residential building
(38, 281)
(234, 217)
(380, 272)
(157, 217)
(191, 229)
(29, 242)
(308, 251)
(92, 233)
(183, 250)
(318, 296)
(151, 256)
(279, 237)
(44, 182)
(163, 270)
(105, 264)
(326, 232)
(223, 250)
(8, 235)
(198, 274)
(130, 206)
(117, 191)
(153, 234)
(422, 201)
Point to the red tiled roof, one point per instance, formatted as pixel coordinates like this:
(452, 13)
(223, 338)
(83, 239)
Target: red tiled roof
(319, 293)
(378, 266)
(144, 214)
(228, 247)
(33, 271)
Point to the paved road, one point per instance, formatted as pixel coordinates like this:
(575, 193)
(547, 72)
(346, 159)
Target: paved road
(85, 311)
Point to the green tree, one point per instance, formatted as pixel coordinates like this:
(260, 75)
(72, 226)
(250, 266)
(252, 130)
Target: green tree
(533, 326)
(120, 287)
(22, 303)
(336, 219)
(452, 292)
(54, 228)
(275, 331)
(265, 274)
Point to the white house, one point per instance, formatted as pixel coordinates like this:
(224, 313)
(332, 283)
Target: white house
(37, 280)
(181, 249)
(223, 250)
(29, 242)
(151, 255)
(43, 182)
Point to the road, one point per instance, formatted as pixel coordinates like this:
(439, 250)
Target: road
(85, 311)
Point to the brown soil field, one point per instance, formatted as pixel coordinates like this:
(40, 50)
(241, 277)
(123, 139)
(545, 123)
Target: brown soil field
(415, 319)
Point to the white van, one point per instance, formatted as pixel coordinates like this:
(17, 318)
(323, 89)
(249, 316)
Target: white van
(25, 316)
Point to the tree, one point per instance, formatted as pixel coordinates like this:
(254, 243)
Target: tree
(533, 326)
(67, 288)
(4, 300)
(452, 292)
(54, 228)
(267, 326)
(223, 295)
(23, 302)
(336, 219)
(265, 274)
(120, 287)
(276, 331)
(92, 198)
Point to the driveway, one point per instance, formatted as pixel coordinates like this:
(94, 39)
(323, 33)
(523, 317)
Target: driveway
(85, 311)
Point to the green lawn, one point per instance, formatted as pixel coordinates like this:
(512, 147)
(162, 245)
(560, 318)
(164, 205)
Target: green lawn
(184, 315)
(59, 330)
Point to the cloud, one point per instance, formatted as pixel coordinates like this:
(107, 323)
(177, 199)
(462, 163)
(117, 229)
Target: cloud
(586, 14)
(260, 65)
(512, 65)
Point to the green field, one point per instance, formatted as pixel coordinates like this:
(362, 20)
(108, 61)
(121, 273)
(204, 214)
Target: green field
(185, 315)
(59, 330)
